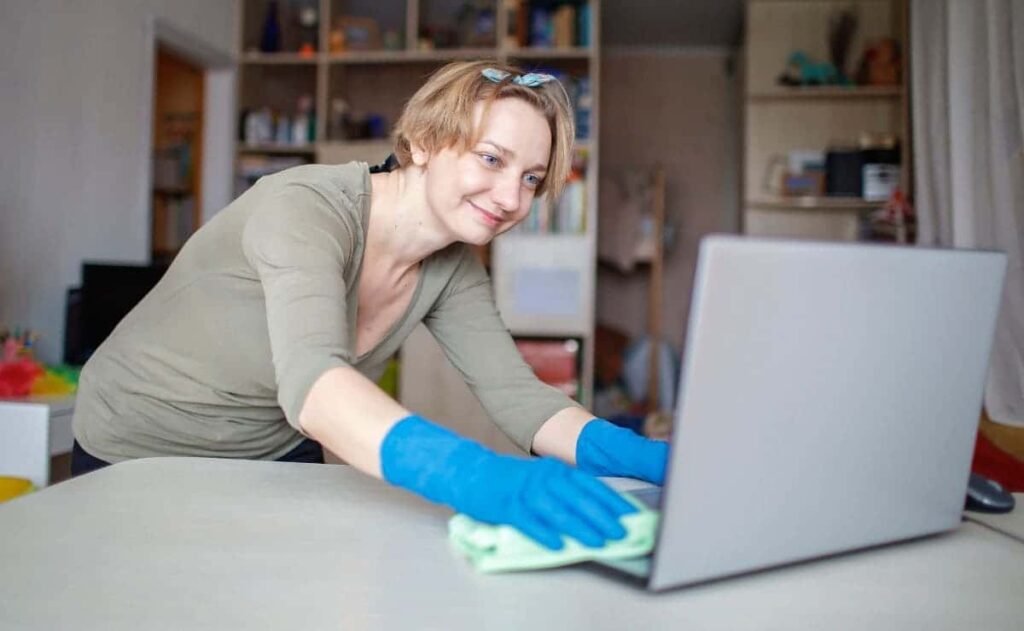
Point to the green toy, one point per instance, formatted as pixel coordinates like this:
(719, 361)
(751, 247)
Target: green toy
(801, 71)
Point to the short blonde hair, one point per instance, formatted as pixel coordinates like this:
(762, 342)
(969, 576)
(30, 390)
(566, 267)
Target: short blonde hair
(440, 115)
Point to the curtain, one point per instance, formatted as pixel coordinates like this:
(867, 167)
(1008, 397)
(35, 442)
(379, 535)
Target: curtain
(967, 99)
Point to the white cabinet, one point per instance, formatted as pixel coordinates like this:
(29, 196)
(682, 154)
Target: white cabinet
(32, 429)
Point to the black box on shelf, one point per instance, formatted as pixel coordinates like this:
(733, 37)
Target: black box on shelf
(843, 172)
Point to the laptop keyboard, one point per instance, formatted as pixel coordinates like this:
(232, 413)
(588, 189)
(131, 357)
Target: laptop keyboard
(649, 497)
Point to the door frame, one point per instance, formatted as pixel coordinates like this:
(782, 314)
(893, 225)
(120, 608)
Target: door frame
(219, 69)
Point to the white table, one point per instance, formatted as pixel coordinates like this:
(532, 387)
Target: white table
(216, 544)
(1011, 524)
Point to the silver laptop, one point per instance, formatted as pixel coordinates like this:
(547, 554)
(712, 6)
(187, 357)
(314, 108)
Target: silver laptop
(829, 401)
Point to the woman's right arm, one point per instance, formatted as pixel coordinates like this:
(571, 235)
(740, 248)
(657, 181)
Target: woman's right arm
(350, 416)
(543, 498)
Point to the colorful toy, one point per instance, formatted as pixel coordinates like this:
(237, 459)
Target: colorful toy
(880, 64)
(21, 375)
(800, 70)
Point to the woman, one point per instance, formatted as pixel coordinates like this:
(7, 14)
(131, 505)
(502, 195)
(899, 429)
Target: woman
(265, 336)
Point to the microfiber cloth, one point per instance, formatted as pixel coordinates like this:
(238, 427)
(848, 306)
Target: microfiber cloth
(492, 548)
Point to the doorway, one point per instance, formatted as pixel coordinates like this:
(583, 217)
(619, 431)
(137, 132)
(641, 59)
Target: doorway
(178, 127)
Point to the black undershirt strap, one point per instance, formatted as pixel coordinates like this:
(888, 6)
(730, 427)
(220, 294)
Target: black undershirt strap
(389, 165)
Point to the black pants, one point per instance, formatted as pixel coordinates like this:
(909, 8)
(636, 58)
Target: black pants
(83, 462)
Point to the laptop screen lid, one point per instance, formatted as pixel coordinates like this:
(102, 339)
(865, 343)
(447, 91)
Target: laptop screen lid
(829, 399)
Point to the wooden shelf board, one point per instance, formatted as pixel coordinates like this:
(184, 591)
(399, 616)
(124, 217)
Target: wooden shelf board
(563, 52)
(828, 92)
(277, 149)
(813, 203)
(409, 56)
(278, 58)
(362, 142)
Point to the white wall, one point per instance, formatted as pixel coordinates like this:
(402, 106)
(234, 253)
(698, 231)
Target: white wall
(76, 84)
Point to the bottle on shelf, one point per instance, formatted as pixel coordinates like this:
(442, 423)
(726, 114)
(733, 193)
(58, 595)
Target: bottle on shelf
(258, 127)
(283, 130)
(270, 40)
(336, 119)
(303, 123)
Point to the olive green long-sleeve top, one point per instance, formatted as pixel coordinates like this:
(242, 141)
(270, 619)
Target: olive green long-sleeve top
(218, 358)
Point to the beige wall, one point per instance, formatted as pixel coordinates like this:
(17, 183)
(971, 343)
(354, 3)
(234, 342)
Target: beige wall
(676, 107)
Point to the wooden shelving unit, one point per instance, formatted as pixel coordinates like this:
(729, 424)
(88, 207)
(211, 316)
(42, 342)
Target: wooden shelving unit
(376, 80)
(779, 119)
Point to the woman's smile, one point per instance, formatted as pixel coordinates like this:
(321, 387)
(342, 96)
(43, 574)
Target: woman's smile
(488, 218)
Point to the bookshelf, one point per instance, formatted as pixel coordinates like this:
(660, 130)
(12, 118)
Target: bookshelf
(177, 154)
(357, 91)
(780, 120)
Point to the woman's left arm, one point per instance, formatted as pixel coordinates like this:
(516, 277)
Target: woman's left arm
(601, 448)
(536, 416)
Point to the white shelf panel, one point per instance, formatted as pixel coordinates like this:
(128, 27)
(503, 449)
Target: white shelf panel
(544, 283)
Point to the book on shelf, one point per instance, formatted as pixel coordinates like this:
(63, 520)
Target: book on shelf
(173, 223)
(567, 215)
(518, 14)
(563, 22)
(548, 24)
(556, 362)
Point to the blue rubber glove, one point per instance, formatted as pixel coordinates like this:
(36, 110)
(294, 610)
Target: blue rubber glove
(607, 449)
(542, 497)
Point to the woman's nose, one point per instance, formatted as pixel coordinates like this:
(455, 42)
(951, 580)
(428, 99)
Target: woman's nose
(505, 193)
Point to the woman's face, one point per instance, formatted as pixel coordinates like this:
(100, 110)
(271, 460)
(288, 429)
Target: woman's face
(487, 189)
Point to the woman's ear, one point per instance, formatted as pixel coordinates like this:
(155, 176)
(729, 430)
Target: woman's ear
(420, 156)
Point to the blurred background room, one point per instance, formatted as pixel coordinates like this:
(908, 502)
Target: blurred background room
(126, 124)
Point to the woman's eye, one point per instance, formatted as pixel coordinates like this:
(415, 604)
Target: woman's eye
(531, 180)
(489, 160)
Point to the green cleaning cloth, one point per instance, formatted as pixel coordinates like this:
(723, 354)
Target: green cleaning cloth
(492, 548)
